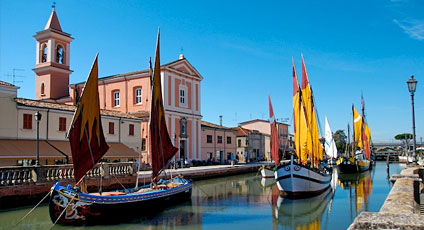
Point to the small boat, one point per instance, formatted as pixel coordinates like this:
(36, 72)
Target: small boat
(329, 144)
(74, 205)
(361, 159)
(304, 178)
(268, 171)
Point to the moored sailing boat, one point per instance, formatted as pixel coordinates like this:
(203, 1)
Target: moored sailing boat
(329, 145)
(361, 159)
(268, 172)
(72, 205)
(303, 178)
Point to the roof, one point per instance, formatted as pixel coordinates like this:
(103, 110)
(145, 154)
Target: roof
(25, 149)
(6, 83)
(53, 22)
(260, 120)
(140, 72)
(51, 105)
(241, 132)
(211, 125)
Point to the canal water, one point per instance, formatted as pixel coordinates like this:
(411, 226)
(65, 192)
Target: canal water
(248, 202)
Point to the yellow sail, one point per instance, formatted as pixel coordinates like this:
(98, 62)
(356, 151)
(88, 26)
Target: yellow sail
(300, 128)
(359, 125)
(314, 147)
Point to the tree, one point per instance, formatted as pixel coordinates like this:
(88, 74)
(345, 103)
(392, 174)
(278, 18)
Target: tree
(340, 139)
(405, 138)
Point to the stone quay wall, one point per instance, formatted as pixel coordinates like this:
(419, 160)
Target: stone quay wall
(401, 208)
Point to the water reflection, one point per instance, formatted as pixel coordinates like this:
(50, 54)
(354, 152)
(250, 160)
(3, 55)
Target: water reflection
(360, 187)
(247, 202)
(302, 213)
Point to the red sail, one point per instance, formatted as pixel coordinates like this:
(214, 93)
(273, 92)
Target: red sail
(275, 143)
(160, 145)
(86, 137)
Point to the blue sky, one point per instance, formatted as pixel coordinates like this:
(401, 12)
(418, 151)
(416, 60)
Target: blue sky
(243, 49)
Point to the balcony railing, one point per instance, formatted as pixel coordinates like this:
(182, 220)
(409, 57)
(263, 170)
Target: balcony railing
(20, 175)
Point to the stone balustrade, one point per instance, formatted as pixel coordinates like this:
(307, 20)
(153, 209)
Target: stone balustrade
(22, 175)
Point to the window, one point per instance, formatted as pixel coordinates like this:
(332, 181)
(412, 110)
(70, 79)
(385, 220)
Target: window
(43, 53)
(131, 130)
(27, 121)
(62, 123)
(219, 140)
(208, 138)
(143, 144)
(42, 88)
(238, 143)
(138, 96)
(111, 128)
(228, 140)
(59, 54)
(183, 95)
(116, 98)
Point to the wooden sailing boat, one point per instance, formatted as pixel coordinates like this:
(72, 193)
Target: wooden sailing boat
(69, 205)
(268, 172)
(304, 177)
(329, 144)
(360, 160)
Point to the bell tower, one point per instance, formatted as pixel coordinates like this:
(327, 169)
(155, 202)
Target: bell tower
(52, 61)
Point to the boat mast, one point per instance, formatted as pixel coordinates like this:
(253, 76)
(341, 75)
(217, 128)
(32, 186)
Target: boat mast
(353, 131)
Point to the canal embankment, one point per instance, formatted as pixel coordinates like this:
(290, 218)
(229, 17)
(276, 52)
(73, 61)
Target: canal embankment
(27, 186)
(401, 209)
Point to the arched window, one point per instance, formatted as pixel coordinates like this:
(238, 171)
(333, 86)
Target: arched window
(138, 96)
(43, 55)
(42, 88)
(59, 54)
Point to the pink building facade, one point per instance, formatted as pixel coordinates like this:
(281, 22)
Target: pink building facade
(127, 92)
(218, 143)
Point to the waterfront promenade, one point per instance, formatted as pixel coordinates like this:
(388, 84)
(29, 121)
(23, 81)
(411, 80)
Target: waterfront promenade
(21, 186)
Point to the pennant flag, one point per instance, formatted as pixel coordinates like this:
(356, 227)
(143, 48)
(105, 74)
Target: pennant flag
(160, 145)
(86, 137)
(275, 143)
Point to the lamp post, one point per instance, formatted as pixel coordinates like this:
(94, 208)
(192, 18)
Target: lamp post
(412, 84)
(37, 116)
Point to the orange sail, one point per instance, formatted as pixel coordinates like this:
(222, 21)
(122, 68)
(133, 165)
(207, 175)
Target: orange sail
(275, 143)
(160, 145)
(86, 137)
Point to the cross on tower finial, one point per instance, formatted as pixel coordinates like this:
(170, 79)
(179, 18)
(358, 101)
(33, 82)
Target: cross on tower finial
(54, 5)
(182, 50)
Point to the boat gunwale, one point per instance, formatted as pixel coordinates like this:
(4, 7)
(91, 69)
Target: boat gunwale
(113, 199)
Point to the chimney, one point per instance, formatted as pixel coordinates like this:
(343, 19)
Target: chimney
(220, 120)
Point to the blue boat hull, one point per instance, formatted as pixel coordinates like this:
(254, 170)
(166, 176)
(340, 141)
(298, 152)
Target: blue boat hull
(85, 208)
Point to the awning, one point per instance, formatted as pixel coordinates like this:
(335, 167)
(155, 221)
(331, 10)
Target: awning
(26, 149)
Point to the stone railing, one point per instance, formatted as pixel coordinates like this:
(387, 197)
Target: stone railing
(19, 175)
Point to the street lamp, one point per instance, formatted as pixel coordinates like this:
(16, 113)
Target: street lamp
(412, 84)
(37, 116)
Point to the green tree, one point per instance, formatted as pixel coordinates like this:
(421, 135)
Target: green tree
(340, 139)
(405, 138)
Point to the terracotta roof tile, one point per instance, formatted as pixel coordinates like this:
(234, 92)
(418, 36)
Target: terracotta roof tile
(211, 125)
(6, 83)
(51, 105)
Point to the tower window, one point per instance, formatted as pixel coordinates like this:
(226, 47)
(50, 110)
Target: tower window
(42, 89)
(116, 98)
(43, 52)
(138, 96)
(59, 54)
(131, 130)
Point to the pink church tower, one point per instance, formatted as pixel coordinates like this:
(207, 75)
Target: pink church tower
(52, 61)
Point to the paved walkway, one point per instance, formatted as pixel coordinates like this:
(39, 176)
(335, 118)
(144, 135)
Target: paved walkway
(200, 172)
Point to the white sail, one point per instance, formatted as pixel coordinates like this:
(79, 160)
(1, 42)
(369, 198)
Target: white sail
(330, 145)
